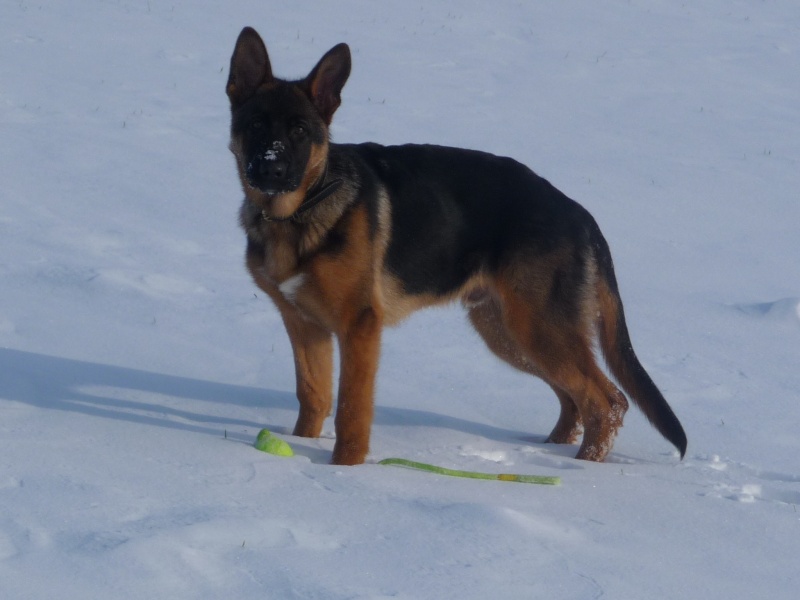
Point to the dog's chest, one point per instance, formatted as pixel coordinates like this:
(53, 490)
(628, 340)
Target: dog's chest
(276, 267)
(271, 260)
(290, 287)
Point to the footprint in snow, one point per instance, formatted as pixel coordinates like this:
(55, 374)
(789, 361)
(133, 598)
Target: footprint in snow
(746, 483)
(786, 310)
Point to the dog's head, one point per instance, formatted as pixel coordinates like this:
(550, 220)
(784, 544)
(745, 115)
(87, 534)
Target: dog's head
(279, 128)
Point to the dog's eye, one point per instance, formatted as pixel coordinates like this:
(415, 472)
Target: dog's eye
(256, 125)
(298, 129)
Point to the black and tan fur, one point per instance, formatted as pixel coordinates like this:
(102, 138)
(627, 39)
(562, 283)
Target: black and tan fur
(347, 238)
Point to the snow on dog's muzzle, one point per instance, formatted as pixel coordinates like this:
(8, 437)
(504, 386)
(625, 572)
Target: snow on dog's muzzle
(268, 170)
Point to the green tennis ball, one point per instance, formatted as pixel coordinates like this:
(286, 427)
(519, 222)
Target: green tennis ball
(266, 442)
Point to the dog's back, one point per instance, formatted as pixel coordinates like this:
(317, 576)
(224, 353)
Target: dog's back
(455, 212)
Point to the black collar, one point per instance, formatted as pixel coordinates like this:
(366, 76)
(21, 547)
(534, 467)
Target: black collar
(314, 196)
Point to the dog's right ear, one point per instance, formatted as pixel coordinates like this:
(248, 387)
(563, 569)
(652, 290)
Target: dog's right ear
(249, 66)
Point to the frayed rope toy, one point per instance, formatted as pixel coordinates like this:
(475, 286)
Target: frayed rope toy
(267, 442)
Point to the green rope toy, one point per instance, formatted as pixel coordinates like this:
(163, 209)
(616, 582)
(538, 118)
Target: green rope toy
(402, 462)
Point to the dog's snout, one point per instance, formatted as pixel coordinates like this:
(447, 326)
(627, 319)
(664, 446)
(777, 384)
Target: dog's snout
(273, 163)
(270, 168)
(273, 169)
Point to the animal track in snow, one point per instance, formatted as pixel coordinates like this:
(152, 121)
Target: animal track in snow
(786, 309)
(151, 284)
(8, 483)
(6, 326)
(19, 538)
(496, 456)
(7, 546)
(764, 485)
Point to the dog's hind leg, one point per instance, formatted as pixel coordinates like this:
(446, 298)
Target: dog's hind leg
(599, 403)
(569, 426)
(487, 319)
(587, 396)
(553, 343)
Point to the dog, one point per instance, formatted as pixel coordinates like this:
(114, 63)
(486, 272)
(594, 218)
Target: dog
(348, 238)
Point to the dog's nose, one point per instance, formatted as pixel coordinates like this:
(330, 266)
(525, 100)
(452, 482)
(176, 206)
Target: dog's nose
(273, 169)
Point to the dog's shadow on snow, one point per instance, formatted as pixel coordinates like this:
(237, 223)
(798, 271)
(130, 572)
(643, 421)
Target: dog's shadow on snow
(126, 394)
(143, 397)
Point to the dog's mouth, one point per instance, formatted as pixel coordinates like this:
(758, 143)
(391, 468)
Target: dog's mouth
(271, 191)
(269, 186)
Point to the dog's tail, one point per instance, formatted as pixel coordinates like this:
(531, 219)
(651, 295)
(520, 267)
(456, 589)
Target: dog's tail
(618, 351)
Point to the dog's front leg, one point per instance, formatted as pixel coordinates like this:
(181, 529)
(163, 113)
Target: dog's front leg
(359, 348)
(312, 346)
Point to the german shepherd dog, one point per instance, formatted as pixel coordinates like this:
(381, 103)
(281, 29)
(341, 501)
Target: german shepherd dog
(347, 238)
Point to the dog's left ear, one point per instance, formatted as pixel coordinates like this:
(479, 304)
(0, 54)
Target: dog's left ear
(325, 82)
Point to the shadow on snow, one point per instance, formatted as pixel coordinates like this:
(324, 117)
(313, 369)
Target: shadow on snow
(114, 392)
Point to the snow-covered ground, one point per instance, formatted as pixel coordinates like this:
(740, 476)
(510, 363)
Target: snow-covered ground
(138, 361)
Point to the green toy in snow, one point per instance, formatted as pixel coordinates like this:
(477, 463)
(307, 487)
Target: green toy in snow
(266, 442)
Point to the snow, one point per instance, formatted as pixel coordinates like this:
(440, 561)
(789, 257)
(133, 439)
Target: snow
(138, 361)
